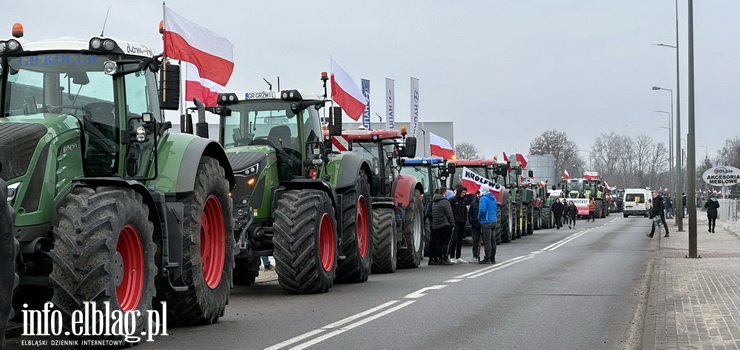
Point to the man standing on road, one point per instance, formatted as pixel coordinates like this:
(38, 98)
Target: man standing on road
(460, 212)
(557, 211)
(712, 204)
(475, 226)
(658, 211)
(591, 209)
(487, 217)
(442, 222)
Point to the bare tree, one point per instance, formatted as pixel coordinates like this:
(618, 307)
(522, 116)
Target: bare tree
(466, 150)
(563, 150)
(730, 153)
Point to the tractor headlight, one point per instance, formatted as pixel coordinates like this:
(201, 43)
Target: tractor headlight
(140, 134)
(252, 170)
(110, 67)
(12, 191)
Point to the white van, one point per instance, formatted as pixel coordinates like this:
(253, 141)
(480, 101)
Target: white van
(637, 202)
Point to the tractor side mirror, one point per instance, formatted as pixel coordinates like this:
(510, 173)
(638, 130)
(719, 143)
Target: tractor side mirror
(186, 123)
(335, 121)
(201, 127)
(451, 169)
(531, 173)
(169, 87)
(410, 148)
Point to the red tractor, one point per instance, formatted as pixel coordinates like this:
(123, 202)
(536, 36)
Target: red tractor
(398, 214)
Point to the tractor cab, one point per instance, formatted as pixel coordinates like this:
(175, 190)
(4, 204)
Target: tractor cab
(384, 150)
(287, 123)
(431, 172)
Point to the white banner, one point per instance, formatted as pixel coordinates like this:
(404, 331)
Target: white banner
(390, 97)
(414, 105)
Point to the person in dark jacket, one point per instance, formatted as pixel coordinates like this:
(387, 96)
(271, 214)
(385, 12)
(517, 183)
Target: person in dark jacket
(460, 212)
(442, 223)
(557, 211)
(488, 220)
(475, 226)
(657, 210)
(711, 205)
(572, 214)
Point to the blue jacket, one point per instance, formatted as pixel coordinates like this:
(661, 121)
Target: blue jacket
(487, 209)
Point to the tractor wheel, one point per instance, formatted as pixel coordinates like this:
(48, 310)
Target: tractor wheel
(498, 229)
(413, 230)
(427, 236)
(385, 247)
(530, 220)
(207, 251)
(356, 241)
(305, 242)
(246, 270)
(597, 209)
(8, 268)
(537, 219)
(103, 253)
(506, 235)
(546, 217)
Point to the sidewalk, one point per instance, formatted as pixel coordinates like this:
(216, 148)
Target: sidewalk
(694, 303)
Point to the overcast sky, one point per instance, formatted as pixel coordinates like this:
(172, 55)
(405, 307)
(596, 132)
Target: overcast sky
(503, 71)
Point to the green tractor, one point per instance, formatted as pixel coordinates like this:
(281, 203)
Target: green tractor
(617, 200)
(432, 174)
(594, 188)
(522, 202)
(398, 212)
(110, 207)
(295, 199)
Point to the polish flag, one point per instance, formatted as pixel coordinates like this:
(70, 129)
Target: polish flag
(565, 174)
(522, 159)
(346, 93)
(440, 147)
(208, 57)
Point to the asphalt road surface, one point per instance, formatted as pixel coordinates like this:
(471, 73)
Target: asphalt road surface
(580, 288)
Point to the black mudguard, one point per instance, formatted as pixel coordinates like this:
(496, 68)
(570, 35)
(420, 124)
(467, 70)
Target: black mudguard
(8, 252)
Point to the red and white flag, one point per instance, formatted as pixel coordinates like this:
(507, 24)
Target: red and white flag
(208, 58)
(345, 92)
(440, 147)
(565, 174)
(522, 159)
(473, 182)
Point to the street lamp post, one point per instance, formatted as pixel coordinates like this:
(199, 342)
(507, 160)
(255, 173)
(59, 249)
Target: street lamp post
(670, 148)
(679, 176)
(678, 183)
(691, 144)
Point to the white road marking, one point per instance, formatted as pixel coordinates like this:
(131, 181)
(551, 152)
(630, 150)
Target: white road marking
(351, 326)
(563, 242)
(490, 267)
(420, 293)
(503, 265)
(453, 280)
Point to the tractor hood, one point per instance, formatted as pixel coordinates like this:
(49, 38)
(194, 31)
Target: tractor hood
(20, 135)
(243, 160)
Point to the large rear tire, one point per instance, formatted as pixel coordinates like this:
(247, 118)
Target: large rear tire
(506, 232)
(246, 270)
(530, 219)
(598, 205)
(385, 247)
(103, 253)
(208, 250)
(413, 232)
(356, 241)
(305, 242)
(546, 217)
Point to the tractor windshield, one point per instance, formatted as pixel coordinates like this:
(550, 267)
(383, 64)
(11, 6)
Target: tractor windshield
(574, 187)
(368, 150)
(421, 172)
(271, 120)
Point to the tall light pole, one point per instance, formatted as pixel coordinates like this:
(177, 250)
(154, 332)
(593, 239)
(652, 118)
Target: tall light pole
(679, 176)
(691, 144)
(670, 148)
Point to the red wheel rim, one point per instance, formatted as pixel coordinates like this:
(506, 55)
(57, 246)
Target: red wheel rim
(362, 231)
(327, 246)
(132, 273)
(212, 242)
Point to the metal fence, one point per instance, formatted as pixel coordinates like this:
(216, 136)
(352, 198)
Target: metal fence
(729, 209)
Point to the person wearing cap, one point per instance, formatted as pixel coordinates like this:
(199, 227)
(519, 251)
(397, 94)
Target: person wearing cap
(711, 205)
(487, 216)
(442, 223)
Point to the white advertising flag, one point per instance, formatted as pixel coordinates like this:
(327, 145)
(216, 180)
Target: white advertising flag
(390, 97)
(414, 105)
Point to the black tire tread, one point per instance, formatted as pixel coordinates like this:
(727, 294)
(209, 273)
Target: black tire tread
(410, 257)
(354, 268)
(384, 240)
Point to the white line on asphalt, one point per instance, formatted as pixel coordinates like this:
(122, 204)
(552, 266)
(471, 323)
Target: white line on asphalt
(499, 267)
(490, 267)
(330, 326)
(354, 317)
(453, 280)
(351, 326)
(563, 242)
(420, 293)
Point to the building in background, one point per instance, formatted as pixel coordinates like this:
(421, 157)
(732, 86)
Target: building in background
(544, 169)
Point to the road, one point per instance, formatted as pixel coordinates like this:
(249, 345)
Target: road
(578, 288)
